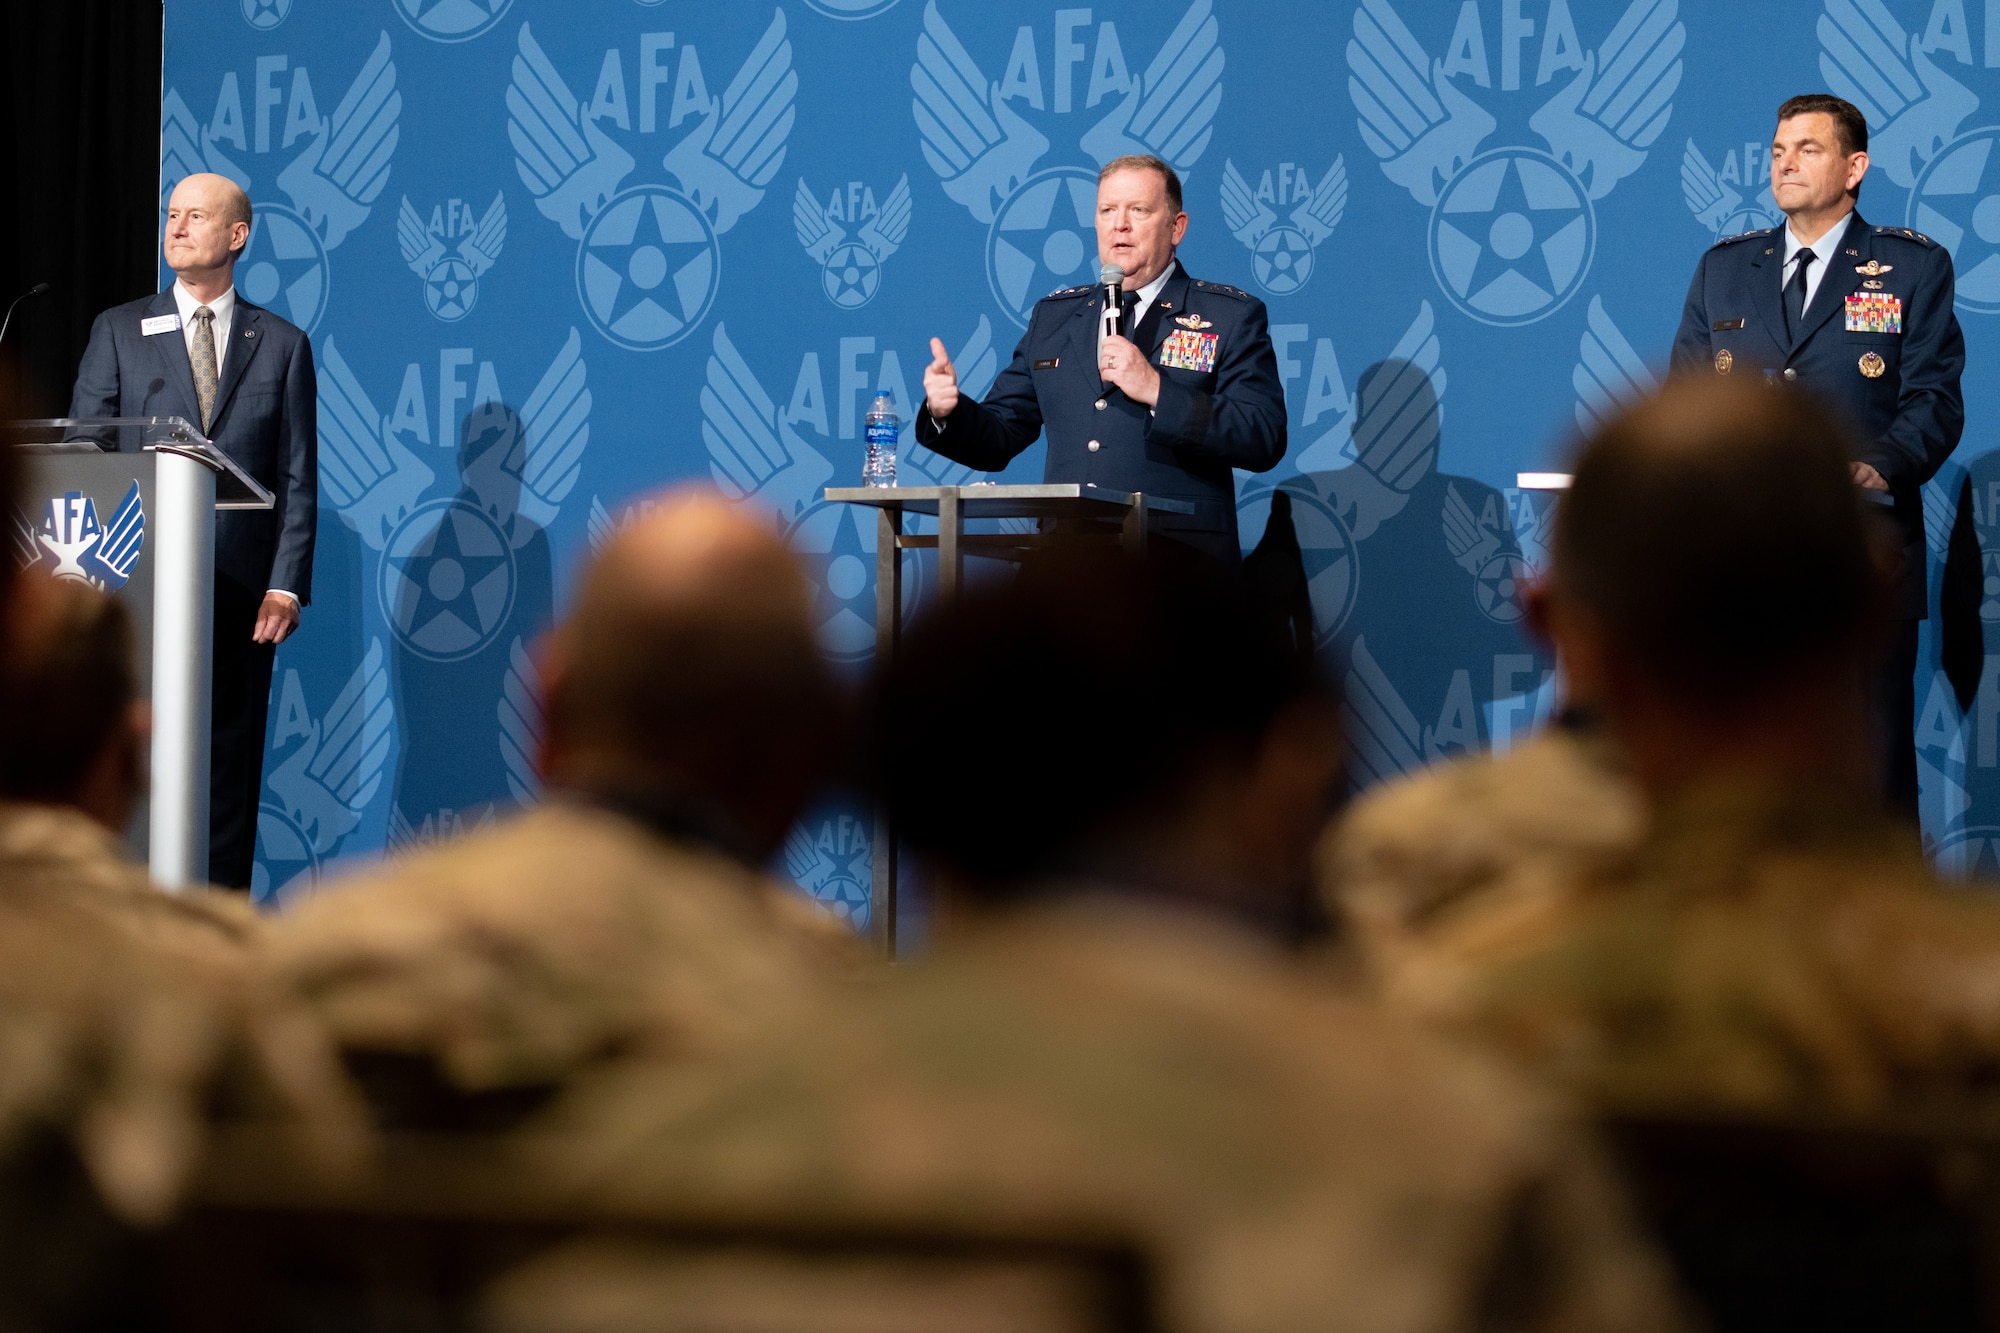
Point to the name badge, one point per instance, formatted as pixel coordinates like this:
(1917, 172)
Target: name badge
(1874, 312)
(159, 324)
(1047, 362)
(1187, 350)
(1727, 325)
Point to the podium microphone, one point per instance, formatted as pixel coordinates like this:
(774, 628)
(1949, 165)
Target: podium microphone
(1113, 278)
(37, 290)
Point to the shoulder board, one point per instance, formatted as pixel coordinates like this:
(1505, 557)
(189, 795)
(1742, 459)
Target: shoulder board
(1071, 291)
(1905, 234)
(1745, 236)
(1220, 289)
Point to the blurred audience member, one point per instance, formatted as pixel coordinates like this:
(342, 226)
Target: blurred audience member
(1479, 838)
(1775, 943)
(73, 770)
(1121, 776)
(689, 713)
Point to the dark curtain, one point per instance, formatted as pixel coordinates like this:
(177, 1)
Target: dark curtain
(82, 150)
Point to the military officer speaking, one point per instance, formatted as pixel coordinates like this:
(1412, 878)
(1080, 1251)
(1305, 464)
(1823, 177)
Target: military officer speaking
(1861, 316)
(1190, 392)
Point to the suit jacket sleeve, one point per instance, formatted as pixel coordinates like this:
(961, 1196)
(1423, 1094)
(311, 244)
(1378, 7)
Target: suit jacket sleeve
(297, 492)
(1240, 422)
(1693, 342)
(1930, 408)
(97, 380)
(987, 435)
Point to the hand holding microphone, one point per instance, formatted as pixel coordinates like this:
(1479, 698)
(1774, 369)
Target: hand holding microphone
(1120, 363)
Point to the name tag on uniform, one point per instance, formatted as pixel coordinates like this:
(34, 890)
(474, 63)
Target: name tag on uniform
(159, 324)
(1874, 312)
(1726, 325)
(1185, 349)
(1047, 362)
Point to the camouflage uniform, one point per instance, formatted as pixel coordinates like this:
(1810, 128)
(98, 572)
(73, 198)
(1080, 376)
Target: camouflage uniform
(1293, 1159)
(1475, 839)
(513, 956)
(126, 1014)
(1762, 951)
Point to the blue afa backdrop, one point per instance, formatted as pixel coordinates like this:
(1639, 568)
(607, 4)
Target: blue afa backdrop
(556, 253)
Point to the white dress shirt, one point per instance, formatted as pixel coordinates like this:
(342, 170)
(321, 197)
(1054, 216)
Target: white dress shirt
(224, 307)
(1823, 248)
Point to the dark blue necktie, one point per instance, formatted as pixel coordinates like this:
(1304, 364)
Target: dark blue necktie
(1795, 292)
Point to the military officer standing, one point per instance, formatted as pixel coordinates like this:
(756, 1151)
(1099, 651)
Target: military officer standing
(1190, 392)
(1862, 316)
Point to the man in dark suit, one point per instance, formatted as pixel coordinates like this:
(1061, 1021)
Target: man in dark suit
(1862, 317)
(244, 376)
(1189, 392)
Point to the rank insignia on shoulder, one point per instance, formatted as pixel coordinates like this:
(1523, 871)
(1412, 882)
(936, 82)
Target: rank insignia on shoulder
(1192, 321)
(1724, 361)
(1069, 291)
(1872, 365)
(1873, 267)
(1745, 235)
(1223, 288)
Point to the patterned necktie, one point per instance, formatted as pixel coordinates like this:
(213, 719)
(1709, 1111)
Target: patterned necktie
(1795, 292)
(207, 374)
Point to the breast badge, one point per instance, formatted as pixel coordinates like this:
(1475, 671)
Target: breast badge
(1872, 365)
(1192, 321)
(1723, 361)
(1185, 349)
(1874, 268)
(1874, 312)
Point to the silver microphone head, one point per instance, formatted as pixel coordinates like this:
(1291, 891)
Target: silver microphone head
(1111, 275)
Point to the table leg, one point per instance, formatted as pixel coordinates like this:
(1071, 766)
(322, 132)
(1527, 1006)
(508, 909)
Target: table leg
(1136, 530)
(951, 561)
(888, 634)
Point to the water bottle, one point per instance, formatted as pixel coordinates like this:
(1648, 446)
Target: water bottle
(878, 468)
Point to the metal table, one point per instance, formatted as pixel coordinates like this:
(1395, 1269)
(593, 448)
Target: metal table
(1079, 511)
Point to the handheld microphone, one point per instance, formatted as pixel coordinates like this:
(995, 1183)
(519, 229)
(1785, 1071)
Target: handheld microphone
(35, 290)
(1113, 279)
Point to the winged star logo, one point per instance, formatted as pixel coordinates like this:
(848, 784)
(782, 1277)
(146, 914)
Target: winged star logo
(1609, 373)
(331, 182)
(649, 257)
(835, 868)
(446, 574)
(1359, 472)
(850, 270)
(1281, 252)
(1041, 232)
(1916, 113)
(760, 455)
(1717, 203)
(70, 543)
(451, 20)
(265, 14)
(1513, 228)
(319, 791)
(1483, 546)
(451, 253)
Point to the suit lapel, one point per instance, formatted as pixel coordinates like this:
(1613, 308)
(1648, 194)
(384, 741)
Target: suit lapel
(175, 368)
(1839, 281)
(1172, 301)
(1081, 351)
(1767, 300)
(246, 334)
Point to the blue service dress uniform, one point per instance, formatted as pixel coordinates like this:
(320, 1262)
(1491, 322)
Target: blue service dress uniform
(1221, 405)
(1880, 344)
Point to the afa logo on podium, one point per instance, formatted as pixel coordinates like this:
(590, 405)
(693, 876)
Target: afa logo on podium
(70, 542)
(649, 254)
(330, 168)
(986, 139)
(1512, 228)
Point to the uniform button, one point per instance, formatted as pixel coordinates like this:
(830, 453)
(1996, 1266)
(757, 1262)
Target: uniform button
(1093, 446)
(1791, 372)
(1100, 404)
